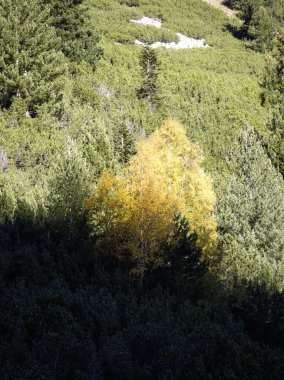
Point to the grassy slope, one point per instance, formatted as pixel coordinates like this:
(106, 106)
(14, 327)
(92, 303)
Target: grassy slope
(214, 91)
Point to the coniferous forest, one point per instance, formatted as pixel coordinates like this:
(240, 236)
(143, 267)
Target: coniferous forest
(141, 190)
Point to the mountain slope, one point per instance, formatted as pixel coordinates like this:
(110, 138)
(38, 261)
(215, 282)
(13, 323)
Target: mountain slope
(213, 91)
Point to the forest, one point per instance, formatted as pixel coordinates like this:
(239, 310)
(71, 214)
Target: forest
(141, 190)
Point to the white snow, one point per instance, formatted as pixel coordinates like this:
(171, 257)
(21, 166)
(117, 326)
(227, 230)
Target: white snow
(183, 43)
(149, 21)
(137, 42)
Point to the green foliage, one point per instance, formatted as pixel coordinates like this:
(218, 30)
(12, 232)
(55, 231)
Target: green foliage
(247, 9)
(260, 20)
(124, 141)
(31, 68)
(213, 91)
(70, 177)
(273, 97)
(262, 29)
(251, 219)
(150, 69)
(78, 41)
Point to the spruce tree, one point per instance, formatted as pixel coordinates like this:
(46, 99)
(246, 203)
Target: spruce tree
(30, 65)
(251, 215)
(150, 70)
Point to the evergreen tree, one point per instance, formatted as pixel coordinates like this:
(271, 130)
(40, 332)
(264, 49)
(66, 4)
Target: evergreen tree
(78, 41)
(150, 70)
(259, 22)
(262, 29)
(251, 216)
(124, 142)
(30, 66)
(247, 10)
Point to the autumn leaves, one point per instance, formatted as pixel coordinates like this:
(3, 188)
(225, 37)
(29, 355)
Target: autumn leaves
(135, 215)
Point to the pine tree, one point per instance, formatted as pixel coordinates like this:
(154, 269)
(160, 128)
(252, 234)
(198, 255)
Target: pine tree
(30, 66)
(247, 10)
(259, 22)
(78, 41)
(251, 216)
(150, 70)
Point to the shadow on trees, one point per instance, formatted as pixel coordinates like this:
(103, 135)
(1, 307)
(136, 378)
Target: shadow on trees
(238, 32)
(65, 316)
(262, 313)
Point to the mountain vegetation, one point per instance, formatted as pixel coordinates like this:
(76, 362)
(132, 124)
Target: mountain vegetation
(141, 191)
(261, 19)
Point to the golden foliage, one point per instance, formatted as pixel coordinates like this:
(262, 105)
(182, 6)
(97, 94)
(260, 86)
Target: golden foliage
(175, 163)
(137, 211)
(107, 208)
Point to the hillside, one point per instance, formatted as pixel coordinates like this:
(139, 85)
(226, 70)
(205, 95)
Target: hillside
(141, 189)
(201, 88)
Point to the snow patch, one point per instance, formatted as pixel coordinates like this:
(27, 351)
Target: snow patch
(184, 43)
(137, 42)
(149, 21)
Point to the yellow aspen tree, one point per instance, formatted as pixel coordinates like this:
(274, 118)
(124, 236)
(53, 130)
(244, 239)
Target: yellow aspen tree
(136, 212)
(176, 162)
(152, 211)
